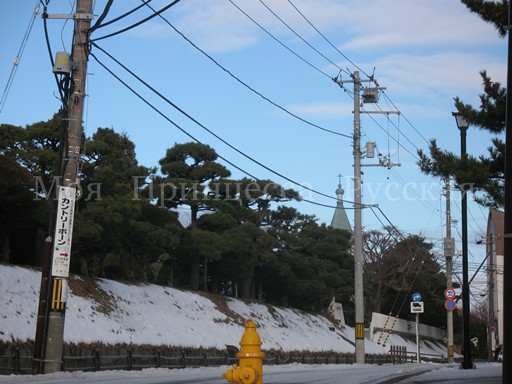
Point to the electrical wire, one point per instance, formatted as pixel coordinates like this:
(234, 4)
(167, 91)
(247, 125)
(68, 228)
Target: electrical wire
(407, 120)
(279, 41)
(364, 111)
(17, 59)
(327, 40)
(102, 17)
(299, 36)
(201, 125)
(414, 253)
(155, 14)
(371, 77)
(247, 85)
(101, 25)
(64, 82)
(330, 61)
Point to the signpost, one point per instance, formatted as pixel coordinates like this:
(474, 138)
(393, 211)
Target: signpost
(417, 307)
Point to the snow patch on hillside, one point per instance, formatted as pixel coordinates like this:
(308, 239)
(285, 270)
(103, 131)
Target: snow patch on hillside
(110, 312)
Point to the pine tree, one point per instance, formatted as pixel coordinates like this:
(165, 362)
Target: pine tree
(484, 174)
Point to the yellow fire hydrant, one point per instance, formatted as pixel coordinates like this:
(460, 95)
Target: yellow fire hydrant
(250, 358)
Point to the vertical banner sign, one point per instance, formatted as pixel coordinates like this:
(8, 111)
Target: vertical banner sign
(63, 231)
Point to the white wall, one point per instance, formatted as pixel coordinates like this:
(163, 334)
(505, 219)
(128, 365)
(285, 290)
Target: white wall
(403, 326)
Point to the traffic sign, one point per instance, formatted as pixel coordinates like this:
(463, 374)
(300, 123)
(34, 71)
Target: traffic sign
(492, 329)
(450, 305)
(416, 297)
(449, 293)
(417, 307)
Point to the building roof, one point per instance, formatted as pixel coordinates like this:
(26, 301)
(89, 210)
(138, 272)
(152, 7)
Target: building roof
(340, 219)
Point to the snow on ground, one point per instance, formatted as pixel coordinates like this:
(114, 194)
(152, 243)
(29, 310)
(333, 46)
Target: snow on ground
(156, 315)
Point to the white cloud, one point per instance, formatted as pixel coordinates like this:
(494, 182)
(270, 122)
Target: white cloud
(322, 110)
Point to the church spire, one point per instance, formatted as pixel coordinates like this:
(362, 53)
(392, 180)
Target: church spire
(340, 219)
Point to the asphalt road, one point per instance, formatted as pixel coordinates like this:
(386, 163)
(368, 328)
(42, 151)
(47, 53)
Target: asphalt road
(284, 374)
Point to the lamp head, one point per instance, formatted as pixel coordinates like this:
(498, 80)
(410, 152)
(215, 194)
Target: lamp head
(462, 123)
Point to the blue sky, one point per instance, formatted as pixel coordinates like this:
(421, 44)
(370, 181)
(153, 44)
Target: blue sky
(424, 52)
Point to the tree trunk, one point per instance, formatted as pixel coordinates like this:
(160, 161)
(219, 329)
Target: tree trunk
(194, 272)
(84, 268)
(39, 244)
(124, 259)
(246, 285)
(170, 278)
(205, 274)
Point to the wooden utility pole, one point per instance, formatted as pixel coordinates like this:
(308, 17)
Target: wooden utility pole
(449, 250)
(507, 235)
(369, 95)
(491, 318)
(50, 339)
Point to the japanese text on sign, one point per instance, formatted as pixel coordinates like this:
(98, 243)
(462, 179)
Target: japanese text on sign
(63, 231)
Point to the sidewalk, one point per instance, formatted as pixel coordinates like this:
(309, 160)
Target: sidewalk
(484, 373)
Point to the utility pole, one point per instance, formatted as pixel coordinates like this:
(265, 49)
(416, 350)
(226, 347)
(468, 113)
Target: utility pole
(491, 319)
(449, 250)
(507, 230)
(358, 233)
(370, 97)
(50, 332)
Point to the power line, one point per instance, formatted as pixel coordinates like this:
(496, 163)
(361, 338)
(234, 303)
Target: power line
(406, 119)
(299, 36)
(102, 16)
(384, 130)
(64, 83)
(410, 266)
(369, 76)
(327, 40)
(201, 125)
(17, 59)
(245, 84)
(279, 41)
(155, 14)
(330, 61)
(101, 25)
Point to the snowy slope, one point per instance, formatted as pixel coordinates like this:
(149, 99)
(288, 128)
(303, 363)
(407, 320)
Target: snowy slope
(114, 313)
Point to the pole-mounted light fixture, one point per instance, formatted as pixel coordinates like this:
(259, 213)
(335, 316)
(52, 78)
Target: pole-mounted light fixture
(463, 125)
(461, 120)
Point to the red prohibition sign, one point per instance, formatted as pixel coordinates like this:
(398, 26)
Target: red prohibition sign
(449, 293)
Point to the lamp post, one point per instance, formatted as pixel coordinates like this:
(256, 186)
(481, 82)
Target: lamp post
(463, 125)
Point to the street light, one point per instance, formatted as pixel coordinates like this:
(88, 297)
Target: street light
(463, 125)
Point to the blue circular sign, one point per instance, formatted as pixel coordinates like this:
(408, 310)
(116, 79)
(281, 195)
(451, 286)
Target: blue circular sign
(416, 297)
(450, 305)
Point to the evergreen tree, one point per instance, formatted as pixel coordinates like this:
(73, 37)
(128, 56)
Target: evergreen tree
(112, 235)
(485, 174)
(187, 169)
(29, 164)
(20, 211)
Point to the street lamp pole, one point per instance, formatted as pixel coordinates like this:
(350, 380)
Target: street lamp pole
(463, 125)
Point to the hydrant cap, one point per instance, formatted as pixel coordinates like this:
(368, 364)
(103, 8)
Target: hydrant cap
(250, 336)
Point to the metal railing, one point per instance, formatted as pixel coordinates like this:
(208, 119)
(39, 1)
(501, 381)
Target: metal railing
(17, 363)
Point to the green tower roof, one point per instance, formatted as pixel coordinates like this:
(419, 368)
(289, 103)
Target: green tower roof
(340, 219)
